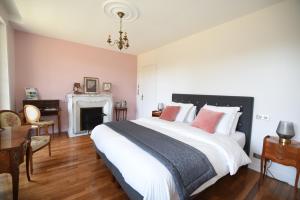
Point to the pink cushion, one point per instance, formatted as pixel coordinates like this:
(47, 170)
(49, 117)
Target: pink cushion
(207, 120)
(170, 113)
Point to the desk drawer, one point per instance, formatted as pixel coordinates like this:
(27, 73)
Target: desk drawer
(282, 154)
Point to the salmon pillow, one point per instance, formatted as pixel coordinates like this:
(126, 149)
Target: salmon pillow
(170, 113)
(207, 120)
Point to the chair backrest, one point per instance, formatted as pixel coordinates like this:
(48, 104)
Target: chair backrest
(9, 118)
(32, 113)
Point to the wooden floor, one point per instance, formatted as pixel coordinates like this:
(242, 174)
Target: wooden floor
(73, 172)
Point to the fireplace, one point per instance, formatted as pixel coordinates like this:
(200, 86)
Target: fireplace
(86, 111)
(90, 117)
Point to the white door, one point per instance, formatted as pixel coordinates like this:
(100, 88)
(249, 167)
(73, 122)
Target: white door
(146, 91)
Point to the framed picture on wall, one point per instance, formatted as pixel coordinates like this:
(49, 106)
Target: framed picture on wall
(31, 93)
(106, 87)
(91, 85)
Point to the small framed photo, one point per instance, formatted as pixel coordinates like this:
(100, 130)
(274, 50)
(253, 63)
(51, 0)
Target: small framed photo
(106, 87)
(31, 94)
(91, 85)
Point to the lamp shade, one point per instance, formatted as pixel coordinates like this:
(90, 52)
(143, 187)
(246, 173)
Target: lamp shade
(160, 106)
(285, 130)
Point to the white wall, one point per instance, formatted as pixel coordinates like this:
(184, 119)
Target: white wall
(7, 68)
(257, 55)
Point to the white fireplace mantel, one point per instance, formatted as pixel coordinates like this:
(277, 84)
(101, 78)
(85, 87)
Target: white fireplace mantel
(77, 101)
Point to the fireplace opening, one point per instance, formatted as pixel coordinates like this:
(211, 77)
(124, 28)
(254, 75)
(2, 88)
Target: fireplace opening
(90, 117)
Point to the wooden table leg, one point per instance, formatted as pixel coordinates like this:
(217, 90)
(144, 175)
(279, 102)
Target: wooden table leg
(117, 115)
(297, 179)
(27, 162)
(261, 169)
(265, 167)
(15, 159)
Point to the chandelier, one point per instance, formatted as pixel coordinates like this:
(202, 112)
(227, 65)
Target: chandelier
(123, 40)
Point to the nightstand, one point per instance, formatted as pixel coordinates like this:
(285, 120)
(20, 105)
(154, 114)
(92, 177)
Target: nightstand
(119, 111)
(288, 155)
(156, 113)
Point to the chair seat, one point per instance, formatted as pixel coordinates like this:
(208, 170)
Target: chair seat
(43, 123)
(39, 141)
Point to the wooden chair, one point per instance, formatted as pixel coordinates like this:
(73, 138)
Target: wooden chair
(9, 118)
(33, 115)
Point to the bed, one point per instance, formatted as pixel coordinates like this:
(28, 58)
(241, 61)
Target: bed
(142, 176)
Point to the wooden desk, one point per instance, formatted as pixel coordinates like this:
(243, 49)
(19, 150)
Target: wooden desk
(13, 143)
(47, 108)
(288, 155)
(118, 111)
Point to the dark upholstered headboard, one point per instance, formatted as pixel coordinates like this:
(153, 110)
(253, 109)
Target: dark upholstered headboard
(245, 103)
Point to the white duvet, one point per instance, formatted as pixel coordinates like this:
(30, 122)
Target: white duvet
(147, 175)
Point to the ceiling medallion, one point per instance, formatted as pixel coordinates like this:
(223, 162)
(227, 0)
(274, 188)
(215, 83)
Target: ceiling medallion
(112, 7)
(122, 10)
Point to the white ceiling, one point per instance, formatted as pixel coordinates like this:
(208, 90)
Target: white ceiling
(159, 22)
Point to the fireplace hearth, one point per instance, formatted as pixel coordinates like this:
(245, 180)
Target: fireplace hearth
(90, 118)
(87, 111)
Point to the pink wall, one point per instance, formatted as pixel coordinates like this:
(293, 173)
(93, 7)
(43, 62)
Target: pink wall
(52, 66)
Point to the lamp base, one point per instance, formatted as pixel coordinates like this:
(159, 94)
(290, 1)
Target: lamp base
(284, 141)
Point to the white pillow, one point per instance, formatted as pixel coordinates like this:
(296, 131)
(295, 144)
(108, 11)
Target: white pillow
(184, 109)
(191, 115)
(225, 124)
(235, 122)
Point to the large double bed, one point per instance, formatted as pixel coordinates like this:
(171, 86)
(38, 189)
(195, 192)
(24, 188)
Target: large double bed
(142, 175)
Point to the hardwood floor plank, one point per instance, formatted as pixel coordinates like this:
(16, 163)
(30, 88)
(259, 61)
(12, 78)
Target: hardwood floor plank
(74, 173)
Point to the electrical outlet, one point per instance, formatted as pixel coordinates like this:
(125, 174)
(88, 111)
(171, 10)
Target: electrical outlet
(256, 155)
(262, 117)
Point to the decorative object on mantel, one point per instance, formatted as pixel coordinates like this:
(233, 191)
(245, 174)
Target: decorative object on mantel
(91, 85)
(77, 88)
(106, 87)
(31, 94)
(121, 10)
(285, 131)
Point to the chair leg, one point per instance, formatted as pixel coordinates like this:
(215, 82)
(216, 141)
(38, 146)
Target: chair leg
(38, 131)
(31, 163)
(28, 152)
(52, 130)
(49, 148)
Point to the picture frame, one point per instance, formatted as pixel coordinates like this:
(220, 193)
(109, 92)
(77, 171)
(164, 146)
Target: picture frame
(91, 85)
(31, 93)
(106, 87)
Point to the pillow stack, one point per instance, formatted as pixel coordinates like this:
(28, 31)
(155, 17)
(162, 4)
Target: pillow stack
(227, 123)
(212, 119)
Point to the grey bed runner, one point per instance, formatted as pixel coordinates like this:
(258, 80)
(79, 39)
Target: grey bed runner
(189, 167)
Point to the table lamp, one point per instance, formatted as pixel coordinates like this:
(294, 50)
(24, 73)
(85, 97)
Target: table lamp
(285, 131)
(160, 106)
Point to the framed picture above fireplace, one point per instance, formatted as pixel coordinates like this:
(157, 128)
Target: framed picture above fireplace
(91, 85)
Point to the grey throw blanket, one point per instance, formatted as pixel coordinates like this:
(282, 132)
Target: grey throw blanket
(189, 167)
